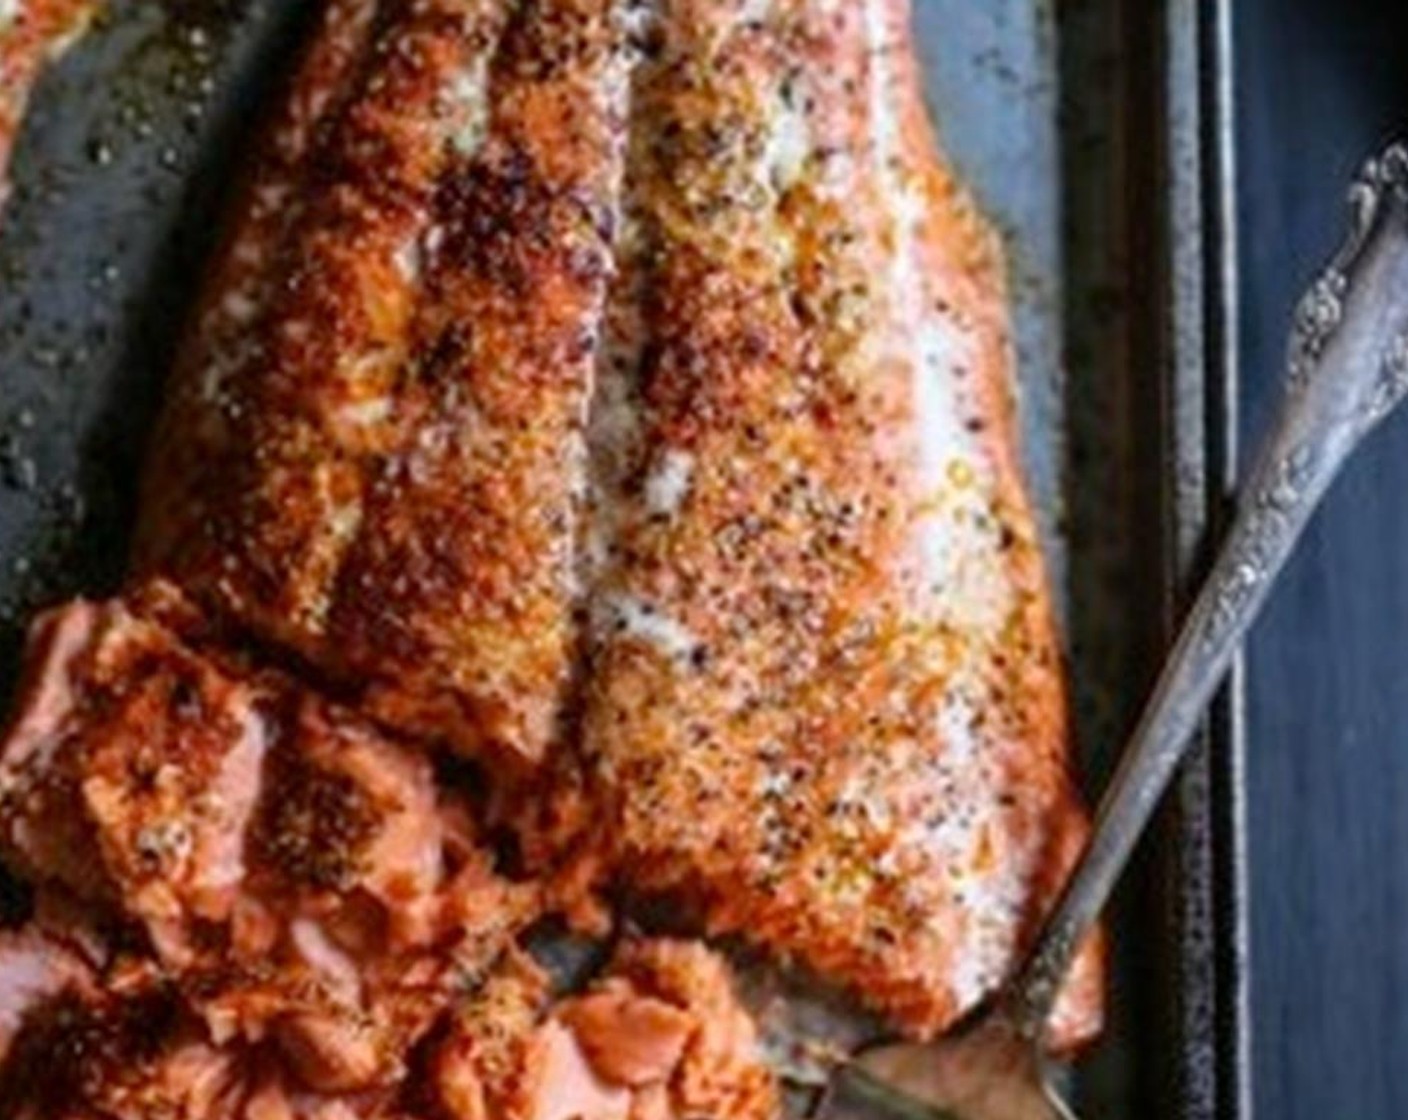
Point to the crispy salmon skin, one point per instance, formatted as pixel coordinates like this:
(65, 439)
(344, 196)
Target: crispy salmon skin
(826, 704)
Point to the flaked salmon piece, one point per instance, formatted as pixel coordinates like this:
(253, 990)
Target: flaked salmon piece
(826, 705)
(124, 1052)
(660, 1036)
(477, 1065)
(630, 1040)
(35, 969)
(274, 1099)
(32, 34)
(122, 1043)
(130, 1049)
(711, 1065)
(374, 451)
(299, 874)
(84, 931)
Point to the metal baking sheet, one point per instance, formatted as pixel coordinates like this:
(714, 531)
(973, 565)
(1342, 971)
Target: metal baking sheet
(1091, 134)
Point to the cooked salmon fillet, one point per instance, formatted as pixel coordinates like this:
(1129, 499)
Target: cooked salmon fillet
(32, 34)
(618, 392)
(373, 454)
(826, 703)
(660, 1037)
(297, 874)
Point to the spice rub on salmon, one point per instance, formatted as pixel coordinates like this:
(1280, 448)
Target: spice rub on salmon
(297, 875)
(660, 1036)
(373, 450)
(32, 34)
(826, 701)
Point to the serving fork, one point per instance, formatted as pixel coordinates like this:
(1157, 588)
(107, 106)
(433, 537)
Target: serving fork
(1347, 369)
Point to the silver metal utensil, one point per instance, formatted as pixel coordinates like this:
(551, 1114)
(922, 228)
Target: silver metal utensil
(1348, 368)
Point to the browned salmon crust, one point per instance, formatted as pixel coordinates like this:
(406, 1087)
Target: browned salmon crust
(32, 33)
(826, 705)
(373, 453)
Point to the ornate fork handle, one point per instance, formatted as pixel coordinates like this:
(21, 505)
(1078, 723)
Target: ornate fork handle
(1348, 366)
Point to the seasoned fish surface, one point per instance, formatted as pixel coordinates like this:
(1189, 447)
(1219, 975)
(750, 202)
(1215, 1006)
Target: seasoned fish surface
(373, 454)
(826, 702)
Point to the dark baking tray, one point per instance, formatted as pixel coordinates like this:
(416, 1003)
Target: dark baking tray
(1094, 132)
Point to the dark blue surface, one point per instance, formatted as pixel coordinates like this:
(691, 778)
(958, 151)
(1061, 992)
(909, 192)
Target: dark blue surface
(1321, 85)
